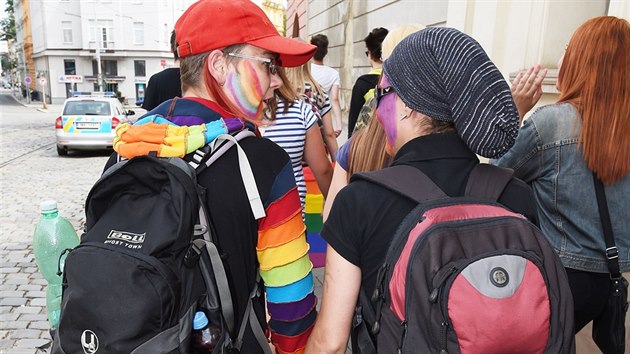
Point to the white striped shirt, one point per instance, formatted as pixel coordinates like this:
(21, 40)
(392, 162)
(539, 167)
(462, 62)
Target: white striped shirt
(289, 132)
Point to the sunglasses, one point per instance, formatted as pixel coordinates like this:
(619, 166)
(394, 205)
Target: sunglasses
(380, 92)
(271, 63)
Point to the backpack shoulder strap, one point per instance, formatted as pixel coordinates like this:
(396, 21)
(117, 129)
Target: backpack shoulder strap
(488, 181)
(405, 180)
(203, 158)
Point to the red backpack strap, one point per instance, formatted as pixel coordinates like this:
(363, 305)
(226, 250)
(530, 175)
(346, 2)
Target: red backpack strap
(404, 180)
(488, 181)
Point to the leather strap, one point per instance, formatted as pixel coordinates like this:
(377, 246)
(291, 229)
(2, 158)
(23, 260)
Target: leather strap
(612, 254)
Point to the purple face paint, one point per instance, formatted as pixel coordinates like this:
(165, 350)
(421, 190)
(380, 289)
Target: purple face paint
(386, 114)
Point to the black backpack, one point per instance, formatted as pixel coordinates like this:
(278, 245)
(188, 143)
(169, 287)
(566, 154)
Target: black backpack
(464, 275)
(147, 261)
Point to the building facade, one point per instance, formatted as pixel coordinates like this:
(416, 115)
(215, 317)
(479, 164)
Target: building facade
(61, 41)
(515, 33)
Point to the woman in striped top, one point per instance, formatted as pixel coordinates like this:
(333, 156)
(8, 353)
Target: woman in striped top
(307, 88)
(295, 129)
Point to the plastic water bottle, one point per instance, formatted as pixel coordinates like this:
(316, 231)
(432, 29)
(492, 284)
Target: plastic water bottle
(53, 235)
(205, 336)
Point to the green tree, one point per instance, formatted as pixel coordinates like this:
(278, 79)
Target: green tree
(7, 25)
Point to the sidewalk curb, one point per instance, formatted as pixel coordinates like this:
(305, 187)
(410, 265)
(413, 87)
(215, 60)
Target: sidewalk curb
(29, 105)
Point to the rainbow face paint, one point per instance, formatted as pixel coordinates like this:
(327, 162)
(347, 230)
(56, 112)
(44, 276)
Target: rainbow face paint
(386, 115)
(245, 89)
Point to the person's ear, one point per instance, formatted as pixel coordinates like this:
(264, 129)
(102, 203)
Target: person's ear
(408, 111)
(217, 66)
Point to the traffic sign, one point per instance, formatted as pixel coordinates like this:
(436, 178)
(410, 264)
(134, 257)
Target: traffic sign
(28, 80)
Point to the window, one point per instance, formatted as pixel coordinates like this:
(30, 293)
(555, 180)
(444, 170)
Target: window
(138, 33)
(103, 32)
(139, 67)
(66, 27)
(69, 67)
(108, 67)
(167, 36)
(94, 108)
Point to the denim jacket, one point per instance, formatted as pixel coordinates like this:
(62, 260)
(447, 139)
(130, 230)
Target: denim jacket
(547, 156)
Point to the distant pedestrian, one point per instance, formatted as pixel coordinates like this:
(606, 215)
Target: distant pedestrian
(363, 88)
(327, 77)
(164, 85)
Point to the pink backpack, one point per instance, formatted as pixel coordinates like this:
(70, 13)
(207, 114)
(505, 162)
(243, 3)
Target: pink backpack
(464, 275)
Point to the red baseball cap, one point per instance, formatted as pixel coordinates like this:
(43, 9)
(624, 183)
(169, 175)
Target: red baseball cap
(214, 24)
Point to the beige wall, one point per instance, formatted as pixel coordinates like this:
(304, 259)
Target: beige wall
(515, 33)
(518, 34)
(347, 22)
(297, 7)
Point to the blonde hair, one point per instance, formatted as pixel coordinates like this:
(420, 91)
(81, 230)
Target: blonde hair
(300, 76)
(395, 36)
(286, 92)
(367, 149)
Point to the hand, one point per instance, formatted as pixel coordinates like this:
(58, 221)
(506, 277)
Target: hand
(527, 89)
(337, 132)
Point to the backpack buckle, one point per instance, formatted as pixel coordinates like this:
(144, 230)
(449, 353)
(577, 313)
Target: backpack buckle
(612, 252)
(199, 230)
(193, 253)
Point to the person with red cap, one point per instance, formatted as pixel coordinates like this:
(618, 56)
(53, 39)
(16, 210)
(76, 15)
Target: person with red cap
(229, 56)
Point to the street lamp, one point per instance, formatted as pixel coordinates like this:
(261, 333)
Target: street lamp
(99, 75)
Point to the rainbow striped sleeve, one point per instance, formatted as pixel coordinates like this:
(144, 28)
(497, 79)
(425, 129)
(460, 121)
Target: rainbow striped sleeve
(285, 267)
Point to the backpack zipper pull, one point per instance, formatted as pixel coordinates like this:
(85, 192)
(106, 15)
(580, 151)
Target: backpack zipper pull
(378, 293)
(378, 297)
(435, 293)
(403, 324)
(444, 337)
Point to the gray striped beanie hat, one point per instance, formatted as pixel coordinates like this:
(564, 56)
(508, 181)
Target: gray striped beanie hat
(446, 75)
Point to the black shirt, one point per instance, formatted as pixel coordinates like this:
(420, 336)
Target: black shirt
(364, 84)
(161, 87)
(364, 216)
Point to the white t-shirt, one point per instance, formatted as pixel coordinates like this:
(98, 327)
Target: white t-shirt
(326, 76)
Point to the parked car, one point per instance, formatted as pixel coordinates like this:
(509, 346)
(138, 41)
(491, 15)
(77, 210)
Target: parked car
(89, 122)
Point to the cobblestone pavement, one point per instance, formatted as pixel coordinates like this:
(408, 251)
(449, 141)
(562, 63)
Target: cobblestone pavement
(31, 171)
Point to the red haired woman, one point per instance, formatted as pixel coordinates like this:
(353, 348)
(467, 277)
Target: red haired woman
(560, 146)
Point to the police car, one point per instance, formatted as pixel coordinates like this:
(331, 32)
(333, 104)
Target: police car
(88, 121)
